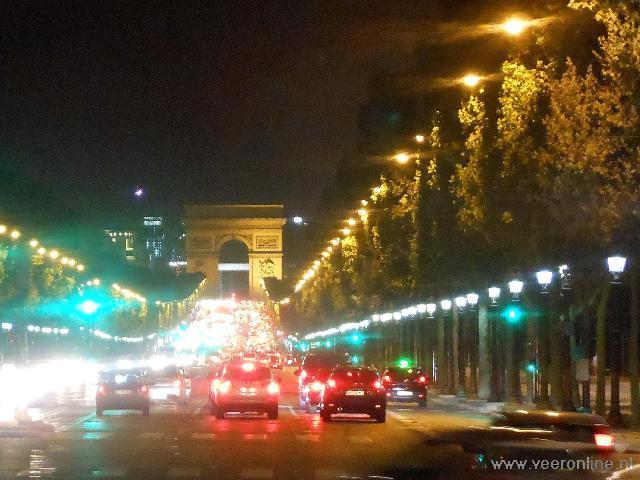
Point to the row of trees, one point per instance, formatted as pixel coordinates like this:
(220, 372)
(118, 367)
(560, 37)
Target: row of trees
(541, 170)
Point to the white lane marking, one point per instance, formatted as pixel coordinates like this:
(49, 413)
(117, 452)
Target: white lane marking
(184, 472)
(151, 435)
(308, 437)
(328, 473)
(256, 473)
(109, 473)
(359, 439)
(290, 409)
(203, 436)
(254, 436)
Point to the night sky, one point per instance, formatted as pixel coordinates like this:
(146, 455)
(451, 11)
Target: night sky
(217, 101)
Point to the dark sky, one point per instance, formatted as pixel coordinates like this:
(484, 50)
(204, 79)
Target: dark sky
(216, 101)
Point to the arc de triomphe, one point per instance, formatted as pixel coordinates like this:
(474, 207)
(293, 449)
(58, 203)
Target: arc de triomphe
(259, 227)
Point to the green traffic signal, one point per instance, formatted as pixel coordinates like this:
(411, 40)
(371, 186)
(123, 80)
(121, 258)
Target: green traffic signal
(356, 339)
(88, 307)
(513, 314)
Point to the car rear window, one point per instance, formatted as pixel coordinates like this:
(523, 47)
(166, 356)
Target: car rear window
(400, 374)
(354, 375)
(118, 378)
(238, 373)
(166, 372)
(321, 361)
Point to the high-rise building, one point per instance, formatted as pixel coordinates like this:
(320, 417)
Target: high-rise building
(154, 238)
(125, 242)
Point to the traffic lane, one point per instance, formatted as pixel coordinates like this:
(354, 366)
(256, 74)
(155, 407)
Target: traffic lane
(191, 444)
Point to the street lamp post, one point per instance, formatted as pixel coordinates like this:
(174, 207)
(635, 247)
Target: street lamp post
(616, 266)
(544, 278)
(515, 342)
(496, 352)
(462, 350)
(473, 340)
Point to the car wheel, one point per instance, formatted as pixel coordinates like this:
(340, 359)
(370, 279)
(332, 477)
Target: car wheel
(422, 403)
(272, 414)
(145, 411)
(325, 415)
(381, 417)
(99, 412)
(219, 413)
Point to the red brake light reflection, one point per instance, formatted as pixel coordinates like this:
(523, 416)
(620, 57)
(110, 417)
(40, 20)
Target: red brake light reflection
(331, 383)
(377, 384)
(422, 379)
(387, 378)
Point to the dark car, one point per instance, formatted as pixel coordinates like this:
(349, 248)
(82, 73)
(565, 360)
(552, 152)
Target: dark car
(122, 390)
(169, 383)
(312, 375)
(246, 386)
(406, 384)
(352, 389)
(535, 435)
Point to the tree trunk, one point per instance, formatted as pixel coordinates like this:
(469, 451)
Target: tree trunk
(601, 349)
(443, 370)
(634, 338)
(485, 369)
(555, 352)
(615, 416)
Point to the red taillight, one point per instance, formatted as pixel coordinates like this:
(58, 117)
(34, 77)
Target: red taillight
(422, 379)
(101, 390)
(273, 388)
(387, 378)
(303, 374)
(377, 384)
(143, 389)
(224, 387)
(603, 437)
(331, 383)
(316, 386)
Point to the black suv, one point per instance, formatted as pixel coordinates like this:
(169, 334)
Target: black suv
(406, 384)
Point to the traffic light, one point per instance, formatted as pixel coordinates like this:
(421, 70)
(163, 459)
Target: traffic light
(89, 307)
(403, 363)
(355, 339)
(327, 344)
(532, 366)
(513, 314)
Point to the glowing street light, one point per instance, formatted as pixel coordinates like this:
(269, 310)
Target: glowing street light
(53, 254)
(494, 294)
(402, 158)
(351, 222)
(346, 231)
(298, 220)
(616, 266)
(33, 243)
(41, 251)
(514, 26)
(461, 302)
(445, 305)
(515, 287)
(472, 299)
(431, 309)
(419, 138)
(471, 80)
(15, 234)
(364, 203)
(3, 229)
(544, 278)
(335, 242)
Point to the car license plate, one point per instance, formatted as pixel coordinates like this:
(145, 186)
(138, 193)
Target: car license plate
(354, 393)
(123, 392)
(404, 393)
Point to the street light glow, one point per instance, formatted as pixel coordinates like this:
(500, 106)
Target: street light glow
(419, 138)
(494, 293)
(471, 80)
(346, 231)
(298, 220)
(544, 278)
(431, 309)
(33, 243)
(15, 234)
(616, 264)
(402, 158)
(472, 298)
(351, 222)
(516, 286)
(514, 26)
(53, 254)
(445, 304)
(461, 302)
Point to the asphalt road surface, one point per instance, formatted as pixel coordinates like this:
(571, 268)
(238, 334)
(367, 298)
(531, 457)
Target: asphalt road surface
(185, 442)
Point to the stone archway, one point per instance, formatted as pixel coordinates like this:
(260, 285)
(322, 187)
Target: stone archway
(259, 227)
